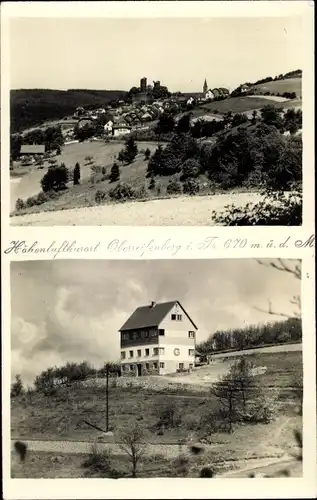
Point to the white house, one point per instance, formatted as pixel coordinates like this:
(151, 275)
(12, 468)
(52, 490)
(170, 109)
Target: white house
(121, 129)
(108, 127)
(209, 94)
(190, 101)
(158, 339)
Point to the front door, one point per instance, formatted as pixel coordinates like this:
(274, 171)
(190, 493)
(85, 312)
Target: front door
(139, 370)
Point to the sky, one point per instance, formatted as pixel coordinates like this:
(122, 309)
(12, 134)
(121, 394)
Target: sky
(71, 310)
(114, 54)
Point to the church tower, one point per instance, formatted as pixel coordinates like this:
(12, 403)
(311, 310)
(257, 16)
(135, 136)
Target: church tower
(205, 87)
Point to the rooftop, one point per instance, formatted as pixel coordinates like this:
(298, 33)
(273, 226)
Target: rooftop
(150, 315)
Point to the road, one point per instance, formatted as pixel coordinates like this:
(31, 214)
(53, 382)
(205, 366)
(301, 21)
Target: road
(180, 211)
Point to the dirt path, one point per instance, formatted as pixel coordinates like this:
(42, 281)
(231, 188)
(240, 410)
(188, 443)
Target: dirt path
(181, 211)
(84, 447)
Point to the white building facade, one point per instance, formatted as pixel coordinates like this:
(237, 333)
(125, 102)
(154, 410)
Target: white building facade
(158, 339)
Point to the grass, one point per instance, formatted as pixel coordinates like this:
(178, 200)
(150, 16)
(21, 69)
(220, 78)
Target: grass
(281, 86)
(62, 416)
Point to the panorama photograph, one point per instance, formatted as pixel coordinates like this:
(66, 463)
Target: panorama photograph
(147, 369)
(156, 122)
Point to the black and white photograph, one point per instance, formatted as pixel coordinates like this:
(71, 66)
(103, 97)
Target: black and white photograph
(156, 121)
(156, 368)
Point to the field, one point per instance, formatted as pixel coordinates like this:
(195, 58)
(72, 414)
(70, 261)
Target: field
(281, 86)
(103, 156)
(59, 420)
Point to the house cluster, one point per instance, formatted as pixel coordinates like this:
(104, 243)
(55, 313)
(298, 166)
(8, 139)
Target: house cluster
(158, 338)
(210, 94)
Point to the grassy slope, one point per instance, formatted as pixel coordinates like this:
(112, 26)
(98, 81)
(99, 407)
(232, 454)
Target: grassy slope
(84, 194)
(281, 86)
(61, 416)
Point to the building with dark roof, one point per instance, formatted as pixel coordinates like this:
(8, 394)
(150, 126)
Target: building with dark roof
(158, 339)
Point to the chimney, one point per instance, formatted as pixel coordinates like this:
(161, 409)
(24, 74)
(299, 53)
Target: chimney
(153, 304)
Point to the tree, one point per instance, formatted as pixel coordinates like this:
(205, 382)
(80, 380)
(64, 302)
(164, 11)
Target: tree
(56, 178)
(131, 440)
(190, 169)
(271, 115)
(183, 126)
(131, 150)
(76, 174)
(165, 124)
(115, 173)
(17, 388)
(226, 392)
(147, 154)
(58, 150)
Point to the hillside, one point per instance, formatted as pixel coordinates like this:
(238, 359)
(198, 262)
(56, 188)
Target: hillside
(281, 86)
(31, 107)
(171, 413)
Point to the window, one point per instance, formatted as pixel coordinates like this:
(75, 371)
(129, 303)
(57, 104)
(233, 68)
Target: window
(191, 335)
(179, 317)
(131, 354)
(191, 366)
(122, 354)
(153, 333)
(173, 317)
(161, 333)
(147, 366)
(176, 317)
(147, 352)
(161, 350)
(134, 335)
(162, 365)
(191, 352)
(155, 351)
(146, 334)
(181, 366)
(139, 353)
(125, 336)
(155, 365)
(131, 367)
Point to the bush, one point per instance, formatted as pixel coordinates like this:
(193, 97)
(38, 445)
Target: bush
(262, 410)
(115, 173)
(174, 187)
(55, 178)
(191, 187)
(140, 193)
(275, 210)
(100, 196)
(17, 388)
(122, 192)
(98, 460)
(191, 168)
(20, 204)
(152, 183)
(168, 414)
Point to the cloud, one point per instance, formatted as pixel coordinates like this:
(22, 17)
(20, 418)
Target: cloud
(72, 310)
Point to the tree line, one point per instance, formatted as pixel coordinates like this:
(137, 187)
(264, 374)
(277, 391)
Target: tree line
(278, 332)
(31, 107)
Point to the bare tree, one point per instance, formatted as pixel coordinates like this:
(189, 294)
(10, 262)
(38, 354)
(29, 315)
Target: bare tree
(295, 270)
(131, 440)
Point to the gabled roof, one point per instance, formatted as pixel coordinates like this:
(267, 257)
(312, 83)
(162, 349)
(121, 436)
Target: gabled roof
(147, 316)
(32, 148)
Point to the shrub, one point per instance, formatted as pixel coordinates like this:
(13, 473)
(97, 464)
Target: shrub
(122, 192)
(275, 210)
(100, 196)
(115, 173)
(174, 187)
(20, 204)
(17, 388)
(191, 168)
(206, 472)
(140, 193)
(168, 414)
(191, 186)
(55, 178)
(147, 154)
(98, 461)
(261, 410)
(152, 183)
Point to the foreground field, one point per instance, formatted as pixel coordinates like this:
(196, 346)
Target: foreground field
(59, 438)
(179, 211)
